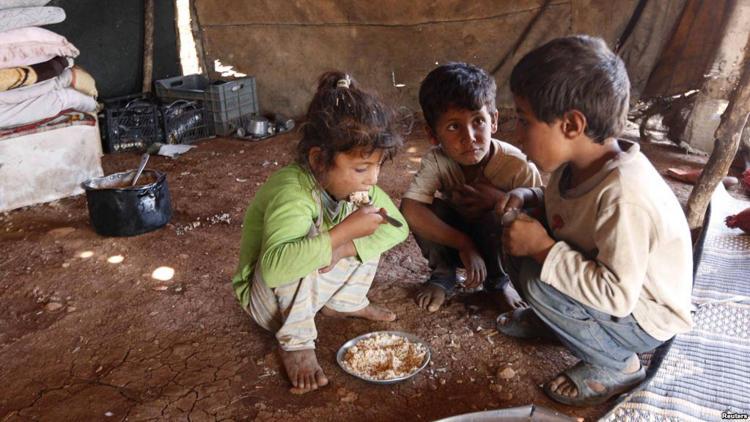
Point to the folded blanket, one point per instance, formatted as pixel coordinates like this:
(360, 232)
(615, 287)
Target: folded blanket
(44, 106)
(17, 77)
(27, 46)
(83, 82)
(8, 4)
(21, 17)
(63, 119)
(75, 78)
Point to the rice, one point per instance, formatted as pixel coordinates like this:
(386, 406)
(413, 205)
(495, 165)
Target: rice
(384, 357)
(360, 199)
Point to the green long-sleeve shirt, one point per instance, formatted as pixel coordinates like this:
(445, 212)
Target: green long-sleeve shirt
(274, 234)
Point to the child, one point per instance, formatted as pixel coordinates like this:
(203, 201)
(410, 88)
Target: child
(450, 203)
(305, 247)
(613, 278)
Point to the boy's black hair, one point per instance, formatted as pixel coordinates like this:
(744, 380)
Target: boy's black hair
(455, 84)
(342, 117)
(575, 73)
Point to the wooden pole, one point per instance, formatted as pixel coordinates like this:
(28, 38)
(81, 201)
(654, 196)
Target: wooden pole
(727, 140)
(148, 45)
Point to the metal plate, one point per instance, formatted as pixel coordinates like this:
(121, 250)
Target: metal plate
(411, 337)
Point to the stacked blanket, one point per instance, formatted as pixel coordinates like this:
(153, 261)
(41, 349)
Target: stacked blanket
(38, 78)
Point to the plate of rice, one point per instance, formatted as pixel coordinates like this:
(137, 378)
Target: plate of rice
(384, 357)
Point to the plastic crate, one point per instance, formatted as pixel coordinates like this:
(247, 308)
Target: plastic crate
(185, 121)
(229, 103)
(131, 123)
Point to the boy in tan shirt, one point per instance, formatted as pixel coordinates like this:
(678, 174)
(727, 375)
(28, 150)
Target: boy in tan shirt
(613, 277)
(449, 204)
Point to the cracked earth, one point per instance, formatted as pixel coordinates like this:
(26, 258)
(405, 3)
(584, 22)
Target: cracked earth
(82, 338)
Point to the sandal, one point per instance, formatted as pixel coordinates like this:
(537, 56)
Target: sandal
(523, 323)
(614, 382)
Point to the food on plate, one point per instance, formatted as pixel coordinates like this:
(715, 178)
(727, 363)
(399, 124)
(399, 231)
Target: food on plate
(384, 357)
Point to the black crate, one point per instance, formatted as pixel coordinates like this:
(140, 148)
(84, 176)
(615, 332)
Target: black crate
(131, 123)
(185, 122)
(228, 103)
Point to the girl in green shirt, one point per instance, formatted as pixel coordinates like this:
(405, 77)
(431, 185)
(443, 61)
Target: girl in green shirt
(306, 247)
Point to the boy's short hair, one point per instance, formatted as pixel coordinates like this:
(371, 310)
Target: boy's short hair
(455, 84)
(577, 72)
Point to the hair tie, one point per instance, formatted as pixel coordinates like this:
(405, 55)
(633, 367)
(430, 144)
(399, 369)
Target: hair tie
(344, 82)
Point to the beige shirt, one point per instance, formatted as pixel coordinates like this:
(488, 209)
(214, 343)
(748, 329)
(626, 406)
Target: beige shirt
(623, 244)
(506, 169)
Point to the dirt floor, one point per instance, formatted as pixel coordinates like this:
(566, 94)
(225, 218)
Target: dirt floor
(85, 339)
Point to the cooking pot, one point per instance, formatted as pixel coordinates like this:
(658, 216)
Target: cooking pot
(118, 209)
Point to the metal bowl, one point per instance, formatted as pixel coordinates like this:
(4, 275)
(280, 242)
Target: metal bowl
(411, 337)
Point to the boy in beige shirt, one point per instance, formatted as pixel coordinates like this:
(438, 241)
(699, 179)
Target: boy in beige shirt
(450, 203)
(613, 277)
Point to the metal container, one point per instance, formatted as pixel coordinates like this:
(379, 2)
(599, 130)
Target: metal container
(118, 209)
(411, 337)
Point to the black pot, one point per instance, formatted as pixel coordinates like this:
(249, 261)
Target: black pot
(117, 209)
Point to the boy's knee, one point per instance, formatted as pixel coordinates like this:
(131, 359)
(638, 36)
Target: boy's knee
(534, 291)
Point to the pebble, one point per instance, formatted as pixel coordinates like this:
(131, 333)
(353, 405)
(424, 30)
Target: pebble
(506, 373)
(346, 396)
(505, 396)
(496, 388)
(53, 306)
(61, 231)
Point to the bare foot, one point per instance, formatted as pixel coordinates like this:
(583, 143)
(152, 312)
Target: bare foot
(563, 386)
(371, 312)
(303, 370)
(431, 297)
(508, 298)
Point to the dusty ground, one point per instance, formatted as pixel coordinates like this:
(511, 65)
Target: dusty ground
(85, 339)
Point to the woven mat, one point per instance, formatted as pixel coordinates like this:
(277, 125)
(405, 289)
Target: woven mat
(704, 374)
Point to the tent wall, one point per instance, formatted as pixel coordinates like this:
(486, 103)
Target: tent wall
(286, 45)
(109, 34)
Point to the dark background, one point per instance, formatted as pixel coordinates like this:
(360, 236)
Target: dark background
(109, 34)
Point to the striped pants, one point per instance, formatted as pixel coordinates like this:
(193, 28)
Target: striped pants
(289, 310)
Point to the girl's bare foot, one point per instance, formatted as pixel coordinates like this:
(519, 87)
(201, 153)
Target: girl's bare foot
(431, 297)
(303, 370)
(371, 312)
(508, 298)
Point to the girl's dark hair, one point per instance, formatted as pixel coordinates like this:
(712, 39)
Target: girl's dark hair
(341, 117)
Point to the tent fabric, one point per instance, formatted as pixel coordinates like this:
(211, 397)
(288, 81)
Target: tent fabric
(391, 53)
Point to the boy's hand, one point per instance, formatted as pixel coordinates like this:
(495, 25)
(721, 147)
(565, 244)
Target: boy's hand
(513, 200)
(474, 200)
(476, 271)
(527, 237)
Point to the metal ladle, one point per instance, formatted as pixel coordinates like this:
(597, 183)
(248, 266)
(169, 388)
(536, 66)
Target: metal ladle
(144, 160)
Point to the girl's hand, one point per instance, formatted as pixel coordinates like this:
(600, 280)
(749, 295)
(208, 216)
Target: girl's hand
(476, 271)
(344, 251)
(527, 237)
(360, 223)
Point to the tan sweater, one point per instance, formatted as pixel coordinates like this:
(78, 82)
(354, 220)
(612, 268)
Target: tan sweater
(438, 174)
(623, 244)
